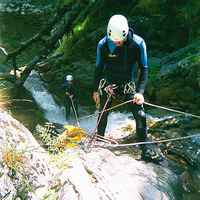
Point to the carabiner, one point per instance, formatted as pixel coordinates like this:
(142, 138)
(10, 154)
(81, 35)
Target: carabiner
(101, 85)
(129, 87)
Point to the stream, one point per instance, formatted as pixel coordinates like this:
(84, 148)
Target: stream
(55, 113)
(15, 29)
(117, 123)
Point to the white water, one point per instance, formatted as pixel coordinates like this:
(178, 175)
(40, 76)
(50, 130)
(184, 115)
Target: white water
(45, 101)
(116, 122)
(54, 113)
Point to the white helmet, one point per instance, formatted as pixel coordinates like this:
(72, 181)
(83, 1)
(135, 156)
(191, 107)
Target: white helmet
(117, 29)
(69, 78)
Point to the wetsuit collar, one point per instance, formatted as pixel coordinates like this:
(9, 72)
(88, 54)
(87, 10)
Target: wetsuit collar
(66, 85)
(111, 45)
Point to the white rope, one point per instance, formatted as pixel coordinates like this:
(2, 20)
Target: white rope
(146, 103)
(150, 142)
(172, 110)
(154, 142)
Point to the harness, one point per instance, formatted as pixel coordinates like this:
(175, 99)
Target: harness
(127, 88)
(130, 88)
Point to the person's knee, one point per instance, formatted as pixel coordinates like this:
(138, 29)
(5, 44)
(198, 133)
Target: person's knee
(140, 118)
(141, 114)
(137, 110)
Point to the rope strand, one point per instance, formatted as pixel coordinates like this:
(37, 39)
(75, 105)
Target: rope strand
(171, 110)
(139, 143)
(149, 142)
(155, 142)
(146, 103)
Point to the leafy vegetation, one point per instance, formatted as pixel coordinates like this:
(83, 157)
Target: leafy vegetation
(3, 95)
(128, 128)
(153, 70)
(51, 195)
(63, 159)
(48, 136)
(15, 159)
(18, 164)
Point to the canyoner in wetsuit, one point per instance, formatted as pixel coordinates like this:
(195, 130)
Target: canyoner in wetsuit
(117, 54)
(70, 95)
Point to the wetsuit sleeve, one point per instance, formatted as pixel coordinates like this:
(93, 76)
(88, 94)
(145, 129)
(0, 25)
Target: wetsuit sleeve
(63, 88)
(98, 73)
(142, 62)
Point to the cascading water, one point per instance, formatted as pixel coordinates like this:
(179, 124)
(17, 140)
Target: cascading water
(55, 113)
(45, 101)
(117, 121)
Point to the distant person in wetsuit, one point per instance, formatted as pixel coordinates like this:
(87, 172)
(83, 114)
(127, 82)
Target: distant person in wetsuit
(117, 54)
(70, 95)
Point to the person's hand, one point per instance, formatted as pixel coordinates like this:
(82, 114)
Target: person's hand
(95, 96)
(67, 93)
(138, 99)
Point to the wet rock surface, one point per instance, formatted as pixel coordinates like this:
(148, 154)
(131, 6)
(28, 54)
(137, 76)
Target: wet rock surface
(186, 150)
(181, 156)
(177, 83)
(25, 166)
(24, 7)
(75, 174)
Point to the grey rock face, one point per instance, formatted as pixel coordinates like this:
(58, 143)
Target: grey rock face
(177, 83)
(28, 172)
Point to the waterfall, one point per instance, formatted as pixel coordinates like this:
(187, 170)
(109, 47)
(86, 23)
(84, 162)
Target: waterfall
(117, 121)
(45, 100)
(55, 113)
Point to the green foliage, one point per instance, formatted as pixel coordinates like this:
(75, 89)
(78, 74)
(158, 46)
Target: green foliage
(194, 58)
(63, 69)
(48, 136)
(66, 2)
(150, 6)
(17, 162)
(51, 195)
(153, 70)
(62, 43)
(68, 41)
(39, 2)
(62, 159)
(197, 58)
(128, 128)
(15, 159)
(59, 156)
(191, 56)
(3, 96)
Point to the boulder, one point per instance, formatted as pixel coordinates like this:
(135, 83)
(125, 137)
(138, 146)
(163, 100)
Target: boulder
(25, 167)
(28, 172)
(48, 77)
(114, 177)
(177, 82)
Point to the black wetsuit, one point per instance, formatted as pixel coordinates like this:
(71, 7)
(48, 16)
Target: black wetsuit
(117, 65)
(67, 101)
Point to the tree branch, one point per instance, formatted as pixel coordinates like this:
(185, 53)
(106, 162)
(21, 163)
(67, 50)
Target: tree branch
(43, 31)
(75, 14)
(64, 27)
(9, 77)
